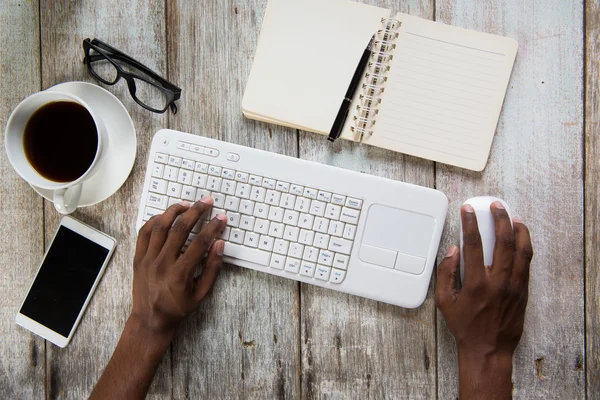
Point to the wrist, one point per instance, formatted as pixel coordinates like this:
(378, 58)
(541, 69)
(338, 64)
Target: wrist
(484, 374)
(158, 339)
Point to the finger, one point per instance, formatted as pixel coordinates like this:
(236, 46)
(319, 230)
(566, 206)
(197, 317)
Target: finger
(161, 226)
(523, 254)
(143, 240)
(504, 248)
(445, 287)
(202, 243)
(472, 248)
(211, 270)
(182, 227)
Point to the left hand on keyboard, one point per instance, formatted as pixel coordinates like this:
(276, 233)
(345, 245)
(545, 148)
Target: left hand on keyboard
(165, 288)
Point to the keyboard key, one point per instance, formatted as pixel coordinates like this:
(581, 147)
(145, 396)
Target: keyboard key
(297, 190)
(291, 233)
(214, 170)
(280, 246)
(251, 239)
(321, 240)
(306, 237)
(150, 212)
(188, 164)
(170, 173)
(161, 158)
(234, 157)
(197, 149)
(269, 183)
(173, 200)
(277, 261)
(228, 173)
(199, 180)
(322, 272)
(333, 211)
(291, 217)
(302, 204)
(243, 253)
(175, 161)
(353, 203)
(325, 258)
(174, 189)
(266, 243)
(349, 232)
(317, 208)
(275, 214)
(272, 197)
(340, 245)
(211, 152)
(233, 219)
(214, 184)
(336, 228)
(258, 194)
(276, 230)
(338, 199)
(228, 187)
(247, 222)
(246, 207)
(307, 268)
(237, 236)
(287, 201)
(217, 211)
(243, 190)
(219, 200)
(232, 203)
(188, 193)
(337, 276)
(157, 201)
(185, 177)
(262, 226)
(282, 186)
(225, 234)
(349, 215)
(324, 196)
(157, 170)
(201, 167)
(200, 194)
(295, 250)
(310, 254)
(241, 177)
(321, 225)
(292, 265)
(255, 180)
(340, 261)
(183, 146)
(310, 193)
(306, 221)
(158, 186)
(261, 211)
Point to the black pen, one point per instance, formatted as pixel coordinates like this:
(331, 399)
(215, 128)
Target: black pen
(342, 115)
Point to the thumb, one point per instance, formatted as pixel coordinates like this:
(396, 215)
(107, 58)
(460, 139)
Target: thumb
(445, 288)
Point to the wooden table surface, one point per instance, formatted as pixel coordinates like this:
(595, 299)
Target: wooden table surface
(265, 337)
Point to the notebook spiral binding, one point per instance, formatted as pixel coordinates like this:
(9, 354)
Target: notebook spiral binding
(375, 77)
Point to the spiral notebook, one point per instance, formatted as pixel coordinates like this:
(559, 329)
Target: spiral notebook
(430, 90)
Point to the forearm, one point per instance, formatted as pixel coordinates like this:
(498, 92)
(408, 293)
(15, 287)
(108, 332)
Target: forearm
(484, 376)
(131, 369)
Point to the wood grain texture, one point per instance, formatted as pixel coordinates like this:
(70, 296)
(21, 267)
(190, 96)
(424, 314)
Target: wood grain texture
(353, 347)
(138, 29)
(243, 341)
(592, 197)
(22, 354)
(536, 166)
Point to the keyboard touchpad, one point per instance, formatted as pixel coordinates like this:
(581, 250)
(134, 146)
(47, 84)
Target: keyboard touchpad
(399, 234)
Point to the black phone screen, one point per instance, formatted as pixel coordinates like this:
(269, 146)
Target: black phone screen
(64, 281)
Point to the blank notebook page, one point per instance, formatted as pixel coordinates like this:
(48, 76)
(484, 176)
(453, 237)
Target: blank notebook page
(444, 93)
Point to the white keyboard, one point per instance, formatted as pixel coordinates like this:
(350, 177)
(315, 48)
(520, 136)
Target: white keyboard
(355, 233)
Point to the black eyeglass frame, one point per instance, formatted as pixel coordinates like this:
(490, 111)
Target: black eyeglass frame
(108, 53)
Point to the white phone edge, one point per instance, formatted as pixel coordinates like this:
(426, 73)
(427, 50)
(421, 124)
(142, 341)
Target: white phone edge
(100, 238)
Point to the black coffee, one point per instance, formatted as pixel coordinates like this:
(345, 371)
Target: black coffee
(61, 141)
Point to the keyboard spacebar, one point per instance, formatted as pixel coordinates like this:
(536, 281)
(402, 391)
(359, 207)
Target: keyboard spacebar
(247, 254)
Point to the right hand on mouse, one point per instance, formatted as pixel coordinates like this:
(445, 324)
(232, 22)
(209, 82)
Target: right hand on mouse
(487, 315)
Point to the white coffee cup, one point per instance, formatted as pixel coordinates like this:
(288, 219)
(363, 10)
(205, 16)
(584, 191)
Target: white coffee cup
(66, 194)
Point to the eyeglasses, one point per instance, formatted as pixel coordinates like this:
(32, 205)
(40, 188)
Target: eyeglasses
(147, 88)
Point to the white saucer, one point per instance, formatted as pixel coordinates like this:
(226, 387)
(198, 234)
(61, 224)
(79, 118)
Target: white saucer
(122, 144)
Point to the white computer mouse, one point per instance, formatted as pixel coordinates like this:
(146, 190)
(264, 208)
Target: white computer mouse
(485, 222)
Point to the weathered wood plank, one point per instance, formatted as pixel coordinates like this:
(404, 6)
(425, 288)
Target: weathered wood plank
(592, 196)
(243, 341)
(353, 347)
(536, 166)
(137, 28)
(22, 354)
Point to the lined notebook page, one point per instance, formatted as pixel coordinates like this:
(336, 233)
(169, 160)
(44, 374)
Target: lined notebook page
(444, 93)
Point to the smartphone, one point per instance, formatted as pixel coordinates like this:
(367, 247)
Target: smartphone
(65, 281)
